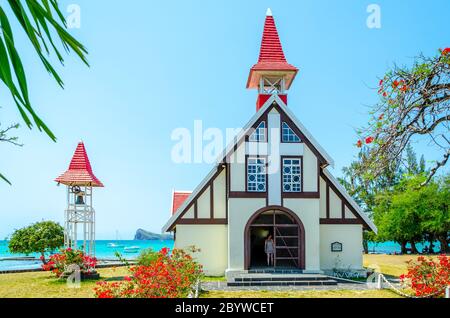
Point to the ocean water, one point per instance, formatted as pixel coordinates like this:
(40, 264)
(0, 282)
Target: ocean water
(105, 252)
(102, 251)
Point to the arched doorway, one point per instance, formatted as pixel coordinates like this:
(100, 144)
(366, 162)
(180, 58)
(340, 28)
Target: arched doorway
(288, 233)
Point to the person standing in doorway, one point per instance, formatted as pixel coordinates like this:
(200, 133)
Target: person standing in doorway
(269, 248)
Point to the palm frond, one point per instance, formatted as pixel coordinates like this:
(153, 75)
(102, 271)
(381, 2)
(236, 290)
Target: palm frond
(42, 21)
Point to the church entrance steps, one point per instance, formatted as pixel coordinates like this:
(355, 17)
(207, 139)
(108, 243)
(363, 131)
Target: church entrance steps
(280, 279)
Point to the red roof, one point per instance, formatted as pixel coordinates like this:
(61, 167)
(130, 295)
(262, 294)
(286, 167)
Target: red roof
(271, 55)
(80, 170)
(178, 199)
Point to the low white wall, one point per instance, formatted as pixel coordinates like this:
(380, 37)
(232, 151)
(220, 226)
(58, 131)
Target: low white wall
(212, 241)
(350, 235)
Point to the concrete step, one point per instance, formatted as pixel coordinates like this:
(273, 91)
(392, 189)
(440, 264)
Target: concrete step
(275, 271)
(329, 282)
(276, 279)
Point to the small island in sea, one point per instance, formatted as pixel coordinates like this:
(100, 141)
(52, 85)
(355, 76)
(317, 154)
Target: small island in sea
(144, 235)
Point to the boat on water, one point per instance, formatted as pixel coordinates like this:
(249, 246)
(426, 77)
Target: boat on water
(115, 245)
(131, 249)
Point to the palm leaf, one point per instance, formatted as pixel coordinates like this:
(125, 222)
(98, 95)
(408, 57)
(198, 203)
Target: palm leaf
(36, 17)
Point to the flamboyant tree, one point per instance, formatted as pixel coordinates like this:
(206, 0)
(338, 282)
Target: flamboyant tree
(414, 105)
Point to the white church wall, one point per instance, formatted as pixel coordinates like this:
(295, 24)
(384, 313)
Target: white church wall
(212, 241)
(308, 212)
(274, 173)
(189, 213)
(323, 198)
(204, 205)
(309, 170)
(349, 214)
(350, 235)
(237, 169)
(335, 205)
(219, 196)
(239, 212)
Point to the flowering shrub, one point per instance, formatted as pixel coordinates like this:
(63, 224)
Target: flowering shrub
(427, 277)
(59, 263)
(169, 275)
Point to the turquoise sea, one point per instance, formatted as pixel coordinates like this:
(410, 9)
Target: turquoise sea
(105, 252)
(102, 251)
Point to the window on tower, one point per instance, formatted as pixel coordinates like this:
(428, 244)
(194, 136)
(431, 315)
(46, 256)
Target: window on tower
(292, 174)
(256, 174)
(288, 135)
(260, 133)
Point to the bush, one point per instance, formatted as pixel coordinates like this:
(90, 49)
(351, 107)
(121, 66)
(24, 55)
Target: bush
(169, 275)
(41, 237)
(146, 257)
(59, 263)
(427, 277)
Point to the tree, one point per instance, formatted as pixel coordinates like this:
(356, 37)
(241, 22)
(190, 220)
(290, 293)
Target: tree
(43, 23)
(412, 213)
(414, 103)
(41, 237)
(368, 191)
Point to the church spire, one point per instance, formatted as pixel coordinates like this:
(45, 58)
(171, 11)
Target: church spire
(272, 74)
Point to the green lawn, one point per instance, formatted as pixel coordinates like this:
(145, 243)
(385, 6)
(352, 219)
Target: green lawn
(393, 265)
(302, 294)
(43, 284)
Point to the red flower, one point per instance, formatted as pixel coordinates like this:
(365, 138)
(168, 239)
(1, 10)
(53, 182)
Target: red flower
(384, 94)
(395, 84)
(446, 51)
(381, 117)
(369, 140)
(359, 144)
(381, 82)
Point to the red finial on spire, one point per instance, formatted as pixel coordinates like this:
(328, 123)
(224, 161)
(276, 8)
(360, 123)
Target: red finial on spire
(80, 170)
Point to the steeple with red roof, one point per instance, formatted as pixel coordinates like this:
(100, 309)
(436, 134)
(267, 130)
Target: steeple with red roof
(272, 74)
(80, 171)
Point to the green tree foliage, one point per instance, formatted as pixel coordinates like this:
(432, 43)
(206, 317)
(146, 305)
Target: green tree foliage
(43, 23)
(410, 213)
(402, 210)
(41, 237)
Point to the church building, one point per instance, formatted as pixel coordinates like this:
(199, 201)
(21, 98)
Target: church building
(273, 179)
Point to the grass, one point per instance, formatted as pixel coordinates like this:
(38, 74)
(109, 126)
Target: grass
(44, 285)
(302, 294)
(214, 279)
(392, 265)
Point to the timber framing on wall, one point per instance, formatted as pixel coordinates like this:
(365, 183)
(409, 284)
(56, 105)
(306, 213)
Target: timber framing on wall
(344, 203)
(193, 203)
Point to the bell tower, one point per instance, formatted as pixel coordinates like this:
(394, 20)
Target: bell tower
(272, 74)
(79, 180)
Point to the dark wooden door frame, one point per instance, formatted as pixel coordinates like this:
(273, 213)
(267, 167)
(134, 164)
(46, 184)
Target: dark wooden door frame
(247, 243)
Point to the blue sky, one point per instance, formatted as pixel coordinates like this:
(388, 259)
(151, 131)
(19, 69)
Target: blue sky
(159, 65)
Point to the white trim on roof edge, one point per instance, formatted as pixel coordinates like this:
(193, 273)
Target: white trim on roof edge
(229, 148)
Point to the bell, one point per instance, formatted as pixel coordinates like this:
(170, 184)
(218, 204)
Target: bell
(79, 200)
